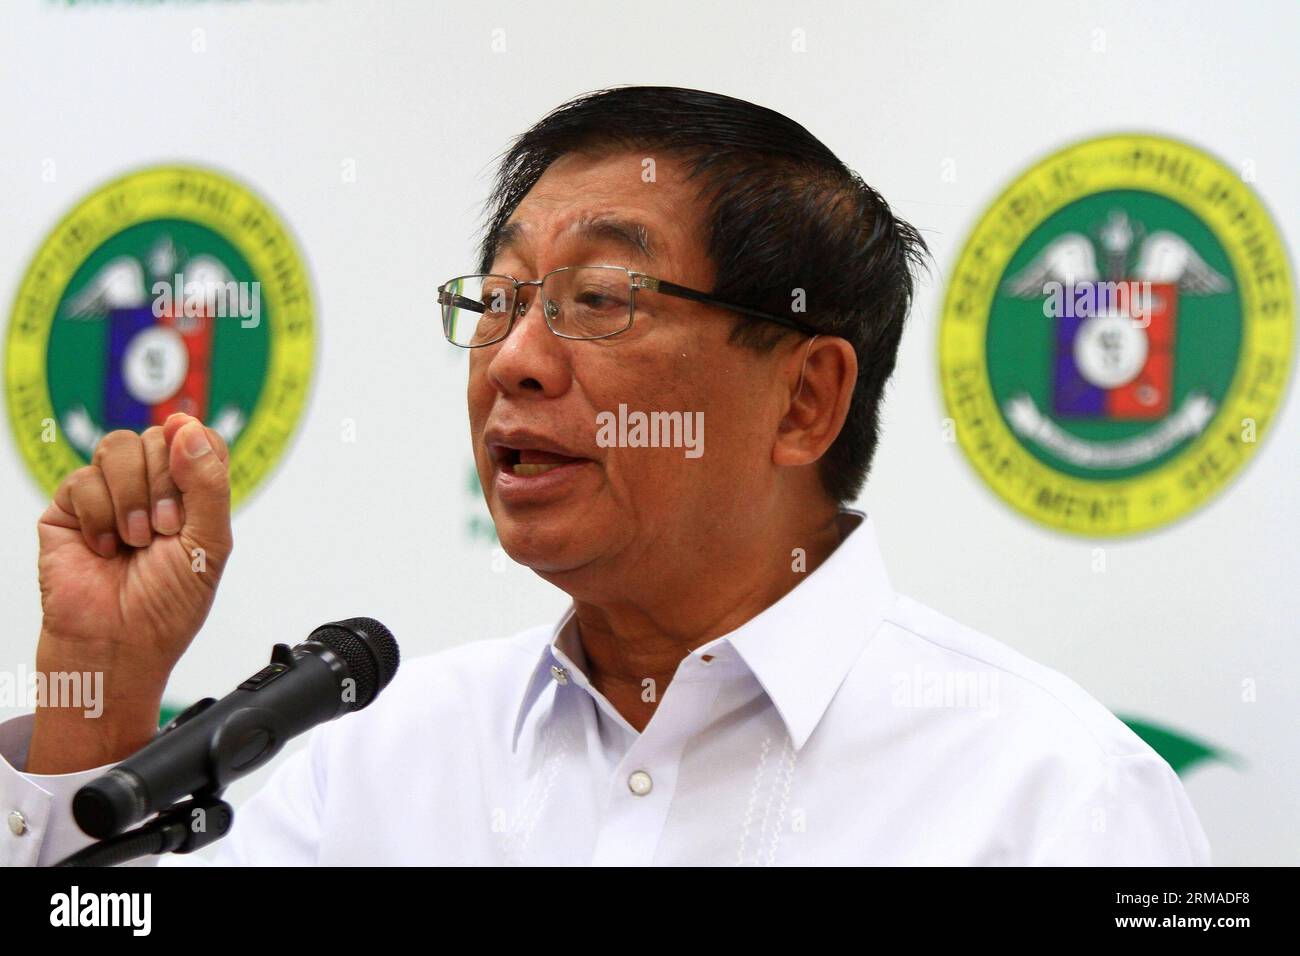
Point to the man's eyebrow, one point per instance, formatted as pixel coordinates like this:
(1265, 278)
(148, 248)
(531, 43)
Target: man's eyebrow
(509, 234)
(631, 235)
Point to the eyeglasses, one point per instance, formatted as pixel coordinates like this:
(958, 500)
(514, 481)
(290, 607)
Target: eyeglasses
(578, 302)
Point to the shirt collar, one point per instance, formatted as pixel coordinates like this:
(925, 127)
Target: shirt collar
(799, 649)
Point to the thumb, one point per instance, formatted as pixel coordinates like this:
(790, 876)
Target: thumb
(203, 478)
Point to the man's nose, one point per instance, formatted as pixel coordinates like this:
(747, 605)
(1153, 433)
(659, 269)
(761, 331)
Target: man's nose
(531, 358)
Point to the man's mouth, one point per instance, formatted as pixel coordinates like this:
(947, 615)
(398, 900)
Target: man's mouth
(523, 454)
(530, 462)
(533, 469)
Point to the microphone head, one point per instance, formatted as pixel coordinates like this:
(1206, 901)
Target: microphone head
(369, 650)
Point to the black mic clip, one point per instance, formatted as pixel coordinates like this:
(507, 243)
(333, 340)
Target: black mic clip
(182, 828)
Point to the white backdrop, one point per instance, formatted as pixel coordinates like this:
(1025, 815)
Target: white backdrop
(284, 95)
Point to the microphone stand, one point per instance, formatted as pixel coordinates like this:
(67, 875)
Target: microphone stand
(173, 830)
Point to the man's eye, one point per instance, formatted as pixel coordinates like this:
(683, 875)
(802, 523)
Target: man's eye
(595, 300)
(495, 300)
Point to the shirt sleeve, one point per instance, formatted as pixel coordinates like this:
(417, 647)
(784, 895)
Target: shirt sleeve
(39, 829)
(278, 826)
(1132, 811)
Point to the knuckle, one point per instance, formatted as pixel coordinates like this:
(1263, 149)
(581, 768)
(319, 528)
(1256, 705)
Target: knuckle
(126, 484)
(81, 477)
(115, 441)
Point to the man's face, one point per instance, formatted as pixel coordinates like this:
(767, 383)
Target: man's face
(603, 510)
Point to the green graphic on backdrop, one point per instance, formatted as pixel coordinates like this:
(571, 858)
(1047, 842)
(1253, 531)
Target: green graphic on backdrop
(1117, 335)
(1180, 751)
(79, 343)
(1193, 361)
(172, 289)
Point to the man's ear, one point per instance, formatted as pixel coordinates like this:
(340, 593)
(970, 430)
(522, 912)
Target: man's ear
(820, 374)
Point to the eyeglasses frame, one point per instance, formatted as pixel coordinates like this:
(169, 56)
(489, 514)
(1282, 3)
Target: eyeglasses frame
(638, 281)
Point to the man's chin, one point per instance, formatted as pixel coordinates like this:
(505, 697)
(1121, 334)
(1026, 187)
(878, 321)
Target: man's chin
(545, 541)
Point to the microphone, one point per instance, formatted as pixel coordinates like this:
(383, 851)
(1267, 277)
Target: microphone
(339, 668)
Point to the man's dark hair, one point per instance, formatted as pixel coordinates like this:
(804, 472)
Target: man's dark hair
(783, 214)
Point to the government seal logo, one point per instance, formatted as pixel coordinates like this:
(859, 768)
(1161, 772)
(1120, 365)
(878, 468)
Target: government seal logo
(172, 289)
(1117, 335)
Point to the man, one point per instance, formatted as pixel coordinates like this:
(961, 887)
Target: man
(736, 682)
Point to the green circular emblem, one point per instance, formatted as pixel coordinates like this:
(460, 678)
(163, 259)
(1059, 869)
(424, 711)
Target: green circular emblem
(172, 289)
(1117, 335)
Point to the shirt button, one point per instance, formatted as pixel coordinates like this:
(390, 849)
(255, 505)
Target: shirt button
(560, 674)
(640, 783)
(17, 823)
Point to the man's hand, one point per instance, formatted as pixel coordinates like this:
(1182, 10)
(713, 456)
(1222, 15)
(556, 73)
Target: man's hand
(131, 550)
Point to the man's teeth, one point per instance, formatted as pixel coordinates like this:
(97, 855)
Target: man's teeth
(529, 471)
